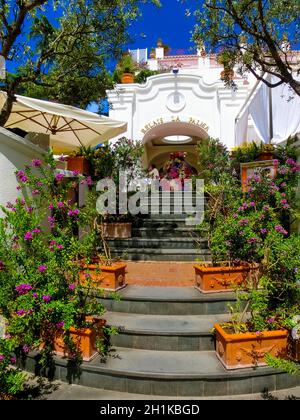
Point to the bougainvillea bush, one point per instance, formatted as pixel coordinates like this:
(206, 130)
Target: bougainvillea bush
(40, 296)
(257, 231)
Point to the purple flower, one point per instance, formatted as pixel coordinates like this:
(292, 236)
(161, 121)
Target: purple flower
(283, 171)
(75, 173)
(39, 184)
(37, 230)
(266, 208)
(275, 162)
(20, 174)
(283, 184)
(60, 204)
(270, 320)
(18, 187)
(42, 268)
(60, 247)
(252, 204)
(29, 209)
(22, 289)
(252, 240)
(36, 162)
(24, 179)
(13, 210)
(73, 212)
(296, 269)
(243, 222)
(290, 162)
(235, 216)
(51, 219)
(13, 360)
(2, 357)
(72, 286)
(59, 177)
(36, 192)
(2, 265)
(28, 236)
(87, 276)
(21, 312)
(25, 348)
(258, 333)
(60, 325)
(46, 298)
(62, 158)
(35, 295)
(281, 230)
(284, 201)
(51, 206)
(264, 231)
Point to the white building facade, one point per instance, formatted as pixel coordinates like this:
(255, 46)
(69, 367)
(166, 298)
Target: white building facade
(177, 108)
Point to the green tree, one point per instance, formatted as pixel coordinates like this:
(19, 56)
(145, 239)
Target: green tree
(256, 35)
(60, 49)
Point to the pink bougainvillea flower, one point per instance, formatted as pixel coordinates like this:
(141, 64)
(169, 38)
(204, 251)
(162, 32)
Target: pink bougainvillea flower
(24, 288)
(36, 230)
(75, 173)
(60, 204)
(21, 312)
(59, 177)
(28, 236)
(72, 286)
(275, 162)
(51, 206)
(73, 212)
(60, 325)
(13, 360)
(36, 162)
(42, 268)
(46, 298)
(26, 349)
(62, 158)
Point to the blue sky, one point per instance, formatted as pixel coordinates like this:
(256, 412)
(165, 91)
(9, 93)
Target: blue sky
(168, 22)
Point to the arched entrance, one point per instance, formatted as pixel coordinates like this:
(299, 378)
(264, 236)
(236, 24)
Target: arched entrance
(163, 138)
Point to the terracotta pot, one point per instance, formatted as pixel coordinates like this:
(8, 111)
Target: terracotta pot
(244, 350)
(78, 163)
(127, 78)
(212, 279)
(228, 74)
(104, 277)
(84, 339)
(265, 156)
(117, 230)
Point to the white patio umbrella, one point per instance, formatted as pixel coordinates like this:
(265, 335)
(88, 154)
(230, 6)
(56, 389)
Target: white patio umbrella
(69, 127)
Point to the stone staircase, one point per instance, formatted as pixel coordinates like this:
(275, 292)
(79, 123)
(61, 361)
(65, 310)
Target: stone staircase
(163, 234)
(166, 347)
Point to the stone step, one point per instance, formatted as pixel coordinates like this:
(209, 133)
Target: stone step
(164, 332)
(143, 244)
(168, 301)
(166, 232)
(168, 373)
(154, 254)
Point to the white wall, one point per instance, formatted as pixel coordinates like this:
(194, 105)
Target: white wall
(204, 98)
(15, 153)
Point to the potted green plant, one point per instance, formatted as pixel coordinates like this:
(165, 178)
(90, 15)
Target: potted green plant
(226, 60)
(247, 341)
(222, 190)
(79, 161)
(125, 70)
(258, 231)
(40, 295)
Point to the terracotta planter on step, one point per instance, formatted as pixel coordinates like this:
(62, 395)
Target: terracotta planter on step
(127, 78)
(104, 277)
(78, 163)
(212, 279)
(117, 230)
(84, 339)
(244, 350)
